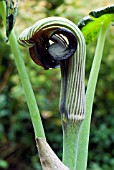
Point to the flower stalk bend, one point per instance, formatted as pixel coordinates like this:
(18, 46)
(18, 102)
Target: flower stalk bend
(72, 100)
(57, 41)
(43, 147)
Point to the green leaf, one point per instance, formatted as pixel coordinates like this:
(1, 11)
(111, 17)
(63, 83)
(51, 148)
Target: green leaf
(90, 25)
(89, 28)
(3, 164)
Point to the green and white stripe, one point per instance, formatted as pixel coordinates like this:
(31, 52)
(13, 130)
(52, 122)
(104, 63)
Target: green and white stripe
(72, 96)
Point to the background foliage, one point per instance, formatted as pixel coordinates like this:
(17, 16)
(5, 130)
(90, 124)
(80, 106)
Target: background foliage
(17, 144)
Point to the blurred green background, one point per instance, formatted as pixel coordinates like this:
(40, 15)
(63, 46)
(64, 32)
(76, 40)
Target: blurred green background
(17, 144)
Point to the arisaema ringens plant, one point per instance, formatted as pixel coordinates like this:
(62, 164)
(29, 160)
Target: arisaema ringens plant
(57, 42)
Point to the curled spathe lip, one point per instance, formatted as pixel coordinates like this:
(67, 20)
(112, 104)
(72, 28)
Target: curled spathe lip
(49, 44)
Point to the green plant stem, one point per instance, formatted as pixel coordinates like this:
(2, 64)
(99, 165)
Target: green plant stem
(31, 101)
(70, 144)
(72, 101)
(85, 130)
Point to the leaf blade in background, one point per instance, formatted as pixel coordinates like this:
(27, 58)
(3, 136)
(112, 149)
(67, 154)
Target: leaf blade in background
(90, 25)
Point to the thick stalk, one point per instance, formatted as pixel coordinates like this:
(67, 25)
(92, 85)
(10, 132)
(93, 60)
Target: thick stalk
(85, 130)
(72, 101)
(70, 143)
(31, 101)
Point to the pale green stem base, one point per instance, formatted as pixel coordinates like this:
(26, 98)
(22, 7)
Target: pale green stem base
(70, 144)
(31, 101)
(84, 135)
